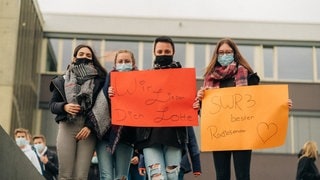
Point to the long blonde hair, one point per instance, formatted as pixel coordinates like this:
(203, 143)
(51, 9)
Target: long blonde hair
(237, 56)
(310, 150)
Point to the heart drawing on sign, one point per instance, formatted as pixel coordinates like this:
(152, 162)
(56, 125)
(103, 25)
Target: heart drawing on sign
(266, 131)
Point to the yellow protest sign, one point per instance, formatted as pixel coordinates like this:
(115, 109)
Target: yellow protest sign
(247, 117)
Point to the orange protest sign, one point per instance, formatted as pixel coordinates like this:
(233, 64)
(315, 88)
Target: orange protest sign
(154, 98)
(247, 117)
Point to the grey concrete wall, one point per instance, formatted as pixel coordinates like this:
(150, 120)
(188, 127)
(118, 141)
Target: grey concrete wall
(9, 18)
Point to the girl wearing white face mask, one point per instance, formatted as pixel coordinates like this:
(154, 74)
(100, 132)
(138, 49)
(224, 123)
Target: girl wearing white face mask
(114, 163)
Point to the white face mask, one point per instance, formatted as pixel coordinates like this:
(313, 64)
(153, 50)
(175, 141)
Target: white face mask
(21, 141)
(124, 67)
(39, 147)
(94, 160)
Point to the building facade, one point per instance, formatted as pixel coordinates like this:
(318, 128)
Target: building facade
(281, 53)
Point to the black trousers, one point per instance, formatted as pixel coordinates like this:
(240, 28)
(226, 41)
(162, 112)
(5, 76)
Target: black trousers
(241, 162)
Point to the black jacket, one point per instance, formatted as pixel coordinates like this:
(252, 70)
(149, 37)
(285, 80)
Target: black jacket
(52, 167)
(58, 99)
(170, 136)
(307, 169)
(192, 151)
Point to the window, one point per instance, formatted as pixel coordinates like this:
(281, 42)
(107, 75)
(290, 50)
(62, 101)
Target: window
(268, 62)
(248, 53)
(180, 53)
(147, 55)
(318, 62)
(282, 63)
(295, 63)
(200, 59)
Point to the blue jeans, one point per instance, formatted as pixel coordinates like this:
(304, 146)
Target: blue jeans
(134, 173)
(113, 166)
(158, 158)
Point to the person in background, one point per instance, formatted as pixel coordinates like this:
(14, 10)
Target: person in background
(73, 96)
(307, 169)
(162, 146)
(21, 138)
(114, 162)
(94, 173)
(192, 151)
(48, 157)
(228, 68)
(134, 167)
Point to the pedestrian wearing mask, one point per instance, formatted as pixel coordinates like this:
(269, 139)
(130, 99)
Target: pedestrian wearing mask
(162, 146)
(48, 157)
(115, 149)
(73, 96)
(228, 68)
(21, 137)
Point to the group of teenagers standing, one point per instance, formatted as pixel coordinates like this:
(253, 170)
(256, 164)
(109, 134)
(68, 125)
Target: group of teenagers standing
(81, 100)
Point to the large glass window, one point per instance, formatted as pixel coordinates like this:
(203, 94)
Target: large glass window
(62, 52)
(200, 59)
(53, 50)
(318, 62)
(67, 53)
(295, 63)
(180, 53)
(268, 62)
(147, 55)
(248, 53)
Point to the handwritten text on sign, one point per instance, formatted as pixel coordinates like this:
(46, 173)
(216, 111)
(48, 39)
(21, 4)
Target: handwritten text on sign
(154, 98)
(248, 117)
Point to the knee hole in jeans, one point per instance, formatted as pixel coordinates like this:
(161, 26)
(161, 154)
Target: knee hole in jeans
(173, 169)
(155, 172)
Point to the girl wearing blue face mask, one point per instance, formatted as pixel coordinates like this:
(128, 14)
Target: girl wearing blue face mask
(115, 161)
(228, 68)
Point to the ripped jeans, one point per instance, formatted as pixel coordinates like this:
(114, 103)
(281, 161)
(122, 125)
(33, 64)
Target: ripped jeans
(162, 162)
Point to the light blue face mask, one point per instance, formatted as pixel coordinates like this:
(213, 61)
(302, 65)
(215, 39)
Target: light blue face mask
(94, 160)
(21, 141)
(124, 67)
(39, 147)
(225, 59)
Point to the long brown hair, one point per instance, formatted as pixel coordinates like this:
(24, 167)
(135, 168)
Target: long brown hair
(237, 56)
(101, 70)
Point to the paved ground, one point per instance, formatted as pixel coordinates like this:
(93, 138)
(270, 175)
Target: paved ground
(263, 167)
